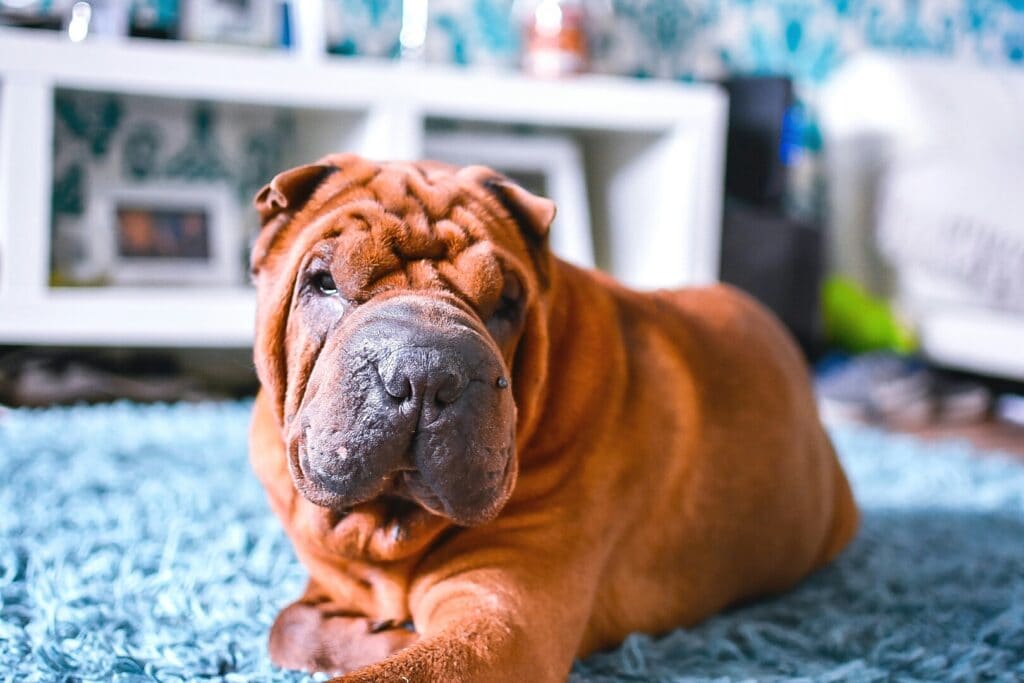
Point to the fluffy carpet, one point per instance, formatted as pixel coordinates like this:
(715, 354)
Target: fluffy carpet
(135, 545)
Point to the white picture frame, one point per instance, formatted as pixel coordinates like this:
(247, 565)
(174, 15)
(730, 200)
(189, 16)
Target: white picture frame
(232, 22)
(219, 262)
(557, 158)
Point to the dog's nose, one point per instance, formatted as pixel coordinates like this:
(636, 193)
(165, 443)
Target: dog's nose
(430, 375)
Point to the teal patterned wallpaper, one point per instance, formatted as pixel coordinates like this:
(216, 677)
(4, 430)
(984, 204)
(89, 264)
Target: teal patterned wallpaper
(709, 38)
(695, 38)
(804, 38)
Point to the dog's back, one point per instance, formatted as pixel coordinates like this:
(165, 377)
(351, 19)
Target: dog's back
(739, 492)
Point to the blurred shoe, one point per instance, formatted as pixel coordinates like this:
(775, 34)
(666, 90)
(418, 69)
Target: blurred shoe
(1010, 408)
(874, 386)
(960, 401)
(898, 391)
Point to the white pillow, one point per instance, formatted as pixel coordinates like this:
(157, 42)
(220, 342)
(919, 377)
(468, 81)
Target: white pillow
(958, 219)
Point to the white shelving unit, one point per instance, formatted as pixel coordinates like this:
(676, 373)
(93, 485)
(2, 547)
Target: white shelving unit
(653, 153)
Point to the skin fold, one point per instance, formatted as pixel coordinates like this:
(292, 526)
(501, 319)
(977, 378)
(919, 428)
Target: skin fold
(615, 462)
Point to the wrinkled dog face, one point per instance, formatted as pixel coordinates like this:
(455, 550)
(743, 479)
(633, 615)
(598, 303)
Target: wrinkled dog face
(392, 300)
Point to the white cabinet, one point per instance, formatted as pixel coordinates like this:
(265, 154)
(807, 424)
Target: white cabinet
(652, 152)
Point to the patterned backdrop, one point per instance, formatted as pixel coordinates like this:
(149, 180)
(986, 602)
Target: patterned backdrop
(708, 38)
(804, 38)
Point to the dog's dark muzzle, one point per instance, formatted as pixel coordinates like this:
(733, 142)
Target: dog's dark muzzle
(410, 397)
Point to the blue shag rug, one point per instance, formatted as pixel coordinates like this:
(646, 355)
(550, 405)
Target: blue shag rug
(135, 545)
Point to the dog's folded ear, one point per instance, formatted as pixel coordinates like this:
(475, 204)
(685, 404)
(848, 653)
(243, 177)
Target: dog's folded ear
(533, 214)
(280, 199)
(289, 189)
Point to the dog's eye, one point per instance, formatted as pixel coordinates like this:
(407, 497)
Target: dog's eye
(511, 298)
(323, 283)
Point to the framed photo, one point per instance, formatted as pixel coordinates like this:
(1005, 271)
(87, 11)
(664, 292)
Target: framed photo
(547, 165)
(166, 234)
(239, 22)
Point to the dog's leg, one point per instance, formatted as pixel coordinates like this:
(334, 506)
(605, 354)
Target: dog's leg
(485, 635)
(495, 615)
(315, 634)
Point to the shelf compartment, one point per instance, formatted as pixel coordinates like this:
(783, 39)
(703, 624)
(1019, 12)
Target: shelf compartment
(152, 190)
(123, 316)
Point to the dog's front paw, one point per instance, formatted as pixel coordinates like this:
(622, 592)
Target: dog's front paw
(313, 637)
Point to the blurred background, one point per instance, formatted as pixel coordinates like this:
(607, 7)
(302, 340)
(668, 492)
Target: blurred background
(857, 165)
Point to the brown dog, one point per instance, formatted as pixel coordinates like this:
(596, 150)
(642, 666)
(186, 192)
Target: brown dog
(492, 462)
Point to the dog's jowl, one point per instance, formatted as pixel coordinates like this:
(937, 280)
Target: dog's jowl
(492, 462)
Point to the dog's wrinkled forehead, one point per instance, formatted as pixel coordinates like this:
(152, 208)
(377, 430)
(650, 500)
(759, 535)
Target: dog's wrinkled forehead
(405, 229)
(397, 224)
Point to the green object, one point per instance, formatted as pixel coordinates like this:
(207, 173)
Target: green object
(857, 321)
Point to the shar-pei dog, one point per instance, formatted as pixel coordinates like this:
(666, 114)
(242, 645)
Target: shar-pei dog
(493, 462)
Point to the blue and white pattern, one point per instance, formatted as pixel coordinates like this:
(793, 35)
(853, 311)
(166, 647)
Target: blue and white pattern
(368, 28)
(477, 32)
(710, 38)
